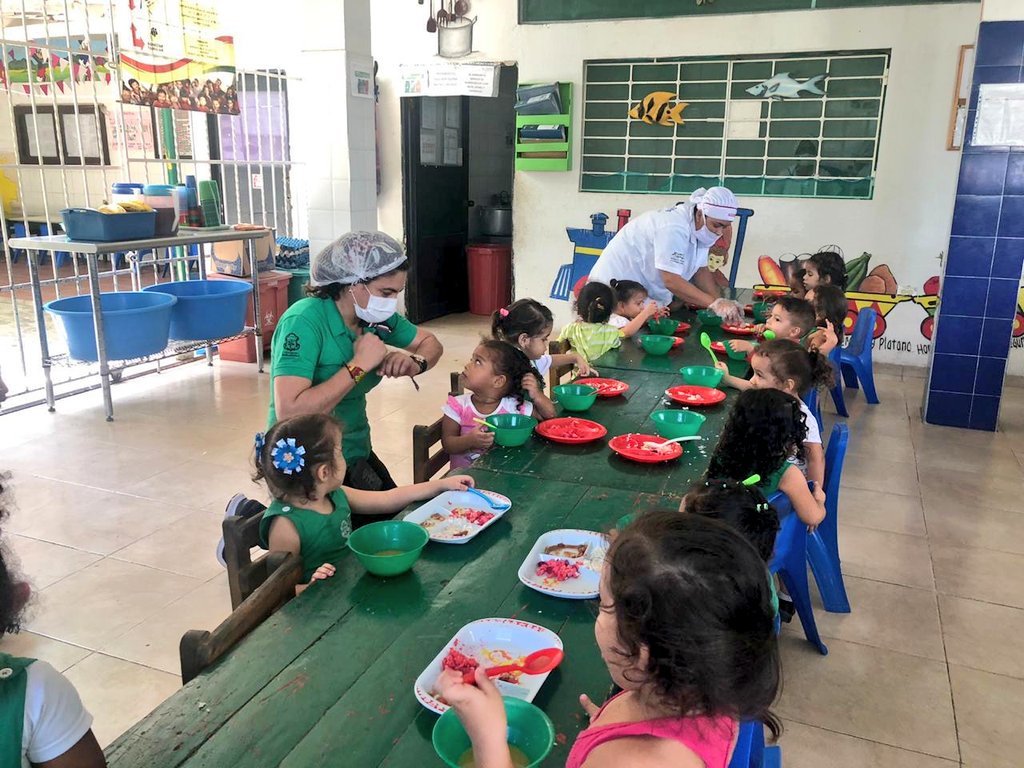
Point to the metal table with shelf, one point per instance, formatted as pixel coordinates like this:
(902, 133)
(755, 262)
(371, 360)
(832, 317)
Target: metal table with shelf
(176, 250)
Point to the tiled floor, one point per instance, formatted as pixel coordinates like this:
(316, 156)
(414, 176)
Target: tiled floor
(115, 525)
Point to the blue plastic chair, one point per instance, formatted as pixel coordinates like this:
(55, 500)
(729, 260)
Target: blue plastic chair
(60, 258)
(19, 230)
(811, 401)
(856, 358)
(750, 750)
(823, 544)
(835, 356)
(790, 562)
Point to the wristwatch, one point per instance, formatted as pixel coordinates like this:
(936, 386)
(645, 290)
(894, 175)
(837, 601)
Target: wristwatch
(421, 361)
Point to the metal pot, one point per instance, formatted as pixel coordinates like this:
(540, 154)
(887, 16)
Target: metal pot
(495, 221)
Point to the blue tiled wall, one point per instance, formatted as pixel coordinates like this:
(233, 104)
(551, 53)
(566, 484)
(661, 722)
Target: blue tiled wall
(984, 259)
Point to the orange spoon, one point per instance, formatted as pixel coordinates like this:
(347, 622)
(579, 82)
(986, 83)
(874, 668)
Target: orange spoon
(537, 663)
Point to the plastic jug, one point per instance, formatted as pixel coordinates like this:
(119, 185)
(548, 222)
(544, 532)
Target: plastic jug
(164, 199)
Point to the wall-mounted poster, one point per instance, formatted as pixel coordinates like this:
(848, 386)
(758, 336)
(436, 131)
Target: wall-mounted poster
(175, 55)
(55, 62)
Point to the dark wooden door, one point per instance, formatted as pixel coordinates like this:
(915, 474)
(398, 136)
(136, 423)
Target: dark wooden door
(435, 199)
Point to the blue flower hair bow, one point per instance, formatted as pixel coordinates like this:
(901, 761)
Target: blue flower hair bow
(261, 440)
(287, 456)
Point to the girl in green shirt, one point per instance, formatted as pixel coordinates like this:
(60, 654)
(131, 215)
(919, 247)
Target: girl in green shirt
(302, 463)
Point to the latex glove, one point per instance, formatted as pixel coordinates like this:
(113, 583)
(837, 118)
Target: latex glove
(727, 309)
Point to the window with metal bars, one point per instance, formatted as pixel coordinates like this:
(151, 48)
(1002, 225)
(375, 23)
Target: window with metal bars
(737, 129)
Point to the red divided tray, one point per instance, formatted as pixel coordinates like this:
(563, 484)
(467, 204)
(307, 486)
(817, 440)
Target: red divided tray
(747, 329)
(631, 447)
(571, 431)
(695, 396)
(605, 387)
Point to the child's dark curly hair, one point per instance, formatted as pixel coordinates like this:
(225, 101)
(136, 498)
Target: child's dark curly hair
(511, 362)
(764, 429)
(789, 360)
(625, 290)
(830, 304)
(14, 591)
(742, 507)
(800, 311)
(319, 434)
(695, 595)
(595, 303)
(831, 268)
(523, 316)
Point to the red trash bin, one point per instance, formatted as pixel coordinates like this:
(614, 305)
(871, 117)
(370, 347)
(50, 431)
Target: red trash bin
(490, 277)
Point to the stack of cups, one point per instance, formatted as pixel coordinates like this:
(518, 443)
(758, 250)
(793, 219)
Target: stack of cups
(209, 201)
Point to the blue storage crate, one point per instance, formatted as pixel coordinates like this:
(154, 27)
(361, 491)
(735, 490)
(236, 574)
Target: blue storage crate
(91, 226)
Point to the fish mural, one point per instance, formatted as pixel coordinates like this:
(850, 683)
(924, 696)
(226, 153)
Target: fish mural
(658, 108)
(782, 86)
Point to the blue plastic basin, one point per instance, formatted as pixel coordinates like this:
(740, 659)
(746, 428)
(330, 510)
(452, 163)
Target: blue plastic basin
(206, 309)
(134, 324)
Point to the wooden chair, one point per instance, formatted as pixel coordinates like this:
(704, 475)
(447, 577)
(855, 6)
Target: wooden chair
(424, 464)
(199, 649)
(241, 534)
(555, 375)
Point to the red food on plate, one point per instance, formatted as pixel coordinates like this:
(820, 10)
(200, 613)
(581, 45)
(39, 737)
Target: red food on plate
(743, 329)
(571, 430)
(681, 328)
(677, 342)
(458, 661)
(475, 516)
(719, 347)
(559, 570)
(605, 387)
(695, 396)
(632, 446)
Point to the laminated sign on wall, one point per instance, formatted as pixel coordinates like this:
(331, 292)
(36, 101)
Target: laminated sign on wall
(1000, 118)
(450, 79)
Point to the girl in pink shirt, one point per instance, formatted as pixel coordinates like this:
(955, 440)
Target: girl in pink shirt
(686, 629)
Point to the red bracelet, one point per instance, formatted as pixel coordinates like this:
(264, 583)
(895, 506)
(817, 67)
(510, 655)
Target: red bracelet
(355, 372)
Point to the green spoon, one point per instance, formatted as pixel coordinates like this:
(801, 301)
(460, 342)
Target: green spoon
(752, 480)
(705, 341)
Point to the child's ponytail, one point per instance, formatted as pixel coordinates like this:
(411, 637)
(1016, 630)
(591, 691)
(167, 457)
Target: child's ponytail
(595, 303)
(790, 361)
(822, 373)
(523, 316)
(290, 451)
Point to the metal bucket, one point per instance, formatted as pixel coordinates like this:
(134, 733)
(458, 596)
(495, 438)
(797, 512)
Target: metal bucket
(455, 38)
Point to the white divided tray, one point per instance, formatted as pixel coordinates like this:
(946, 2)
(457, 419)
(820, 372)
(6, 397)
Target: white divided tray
(448, 528)
(582, 587)
(491, 642)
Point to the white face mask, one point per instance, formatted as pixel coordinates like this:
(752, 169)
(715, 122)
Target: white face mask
(377, 309)
(706, 237)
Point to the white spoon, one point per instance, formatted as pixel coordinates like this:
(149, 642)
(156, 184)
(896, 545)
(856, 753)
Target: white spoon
(660, 446)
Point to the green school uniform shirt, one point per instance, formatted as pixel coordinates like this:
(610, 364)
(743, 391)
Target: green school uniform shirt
(591, 339)
(322, 538)
(312, 341)
(771, 484)
(13, 679)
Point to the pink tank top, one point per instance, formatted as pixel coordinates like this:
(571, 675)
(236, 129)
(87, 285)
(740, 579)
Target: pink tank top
(710, 738)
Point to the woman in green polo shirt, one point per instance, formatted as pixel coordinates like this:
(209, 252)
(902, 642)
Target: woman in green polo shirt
(331, 348)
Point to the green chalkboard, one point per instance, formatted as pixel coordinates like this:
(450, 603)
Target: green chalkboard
(544, 11)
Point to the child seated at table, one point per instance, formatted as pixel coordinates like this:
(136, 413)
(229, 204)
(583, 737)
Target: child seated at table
(633, 307)
(527, 324)
(790, 318)
(493, 378)
(44, 722)
(765, 429)
(788, 367)
(590, 334)
(822, 268)
(301, 461)
(830, 307)
(685, 627)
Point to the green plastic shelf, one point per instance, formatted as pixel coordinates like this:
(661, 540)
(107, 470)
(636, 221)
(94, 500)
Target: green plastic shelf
(547, 163)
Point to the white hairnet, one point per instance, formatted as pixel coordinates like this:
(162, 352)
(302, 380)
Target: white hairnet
(356, 257)
(716, 203)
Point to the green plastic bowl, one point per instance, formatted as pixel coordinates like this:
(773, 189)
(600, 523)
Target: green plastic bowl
(671, 424)
(388, 535)
(701, 375)
(665, 326)
(529, 730)
(656, 344)
(575, 397)
(511, 429)
(761, 311)
(709, 318)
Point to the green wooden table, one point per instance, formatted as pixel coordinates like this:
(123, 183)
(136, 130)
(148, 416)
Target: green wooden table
(328, 679)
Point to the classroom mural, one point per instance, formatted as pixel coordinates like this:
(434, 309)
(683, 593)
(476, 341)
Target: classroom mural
(54, 62)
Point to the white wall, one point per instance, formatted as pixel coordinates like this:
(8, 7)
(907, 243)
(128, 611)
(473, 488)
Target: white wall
(906, 224)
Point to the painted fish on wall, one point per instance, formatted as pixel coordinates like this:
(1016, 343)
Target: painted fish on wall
(782, 86)
(658, 108)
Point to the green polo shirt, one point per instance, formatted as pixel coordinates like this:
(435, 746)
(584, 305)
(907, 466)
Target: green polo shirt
(312, 341)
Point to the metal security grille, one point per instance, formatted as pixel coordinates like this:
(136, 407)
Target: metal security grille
(65, 145)
(805, 146)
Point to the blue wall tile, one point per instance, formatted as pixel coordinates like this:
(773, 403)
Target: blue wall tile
(982, 174)
(965, 296)
(1015, 174)
(948, 409)
(970, 256)
(1000, 43)
(1002, 298)
(989, 377)
(1011, 218)
(959, 335)
(995, 337)
(1008, 259)
(953, 373)
(976, 216)
(984, 413)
